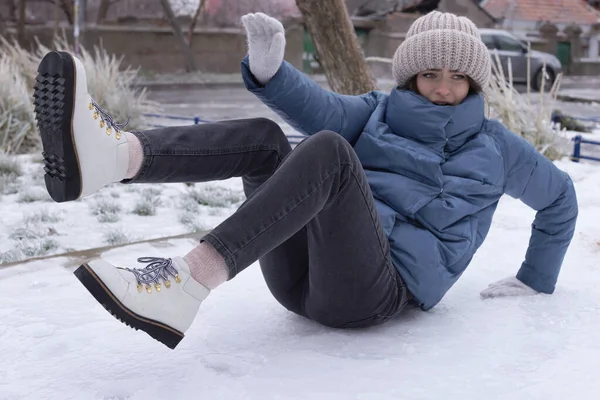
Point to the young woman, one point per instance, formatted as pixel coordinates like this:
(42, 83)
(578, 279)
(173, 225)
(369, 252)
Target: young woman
(383, 205)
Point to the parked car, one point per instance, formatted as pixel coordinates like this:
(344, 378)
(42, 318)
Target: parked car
(510, 47)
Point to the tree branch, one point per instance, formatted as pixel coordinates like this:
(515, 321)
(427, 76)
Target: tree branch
(199, 11)
(185, 49)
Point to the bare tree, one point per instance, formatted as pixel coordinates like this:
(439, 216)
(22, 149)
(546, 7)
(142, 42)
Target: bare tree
(21, 22)
(103, 10)
(2, 25)
(67, 7)
(56, 18)
(12, 10)
(185, 48)
(337, 46)
(199, 11)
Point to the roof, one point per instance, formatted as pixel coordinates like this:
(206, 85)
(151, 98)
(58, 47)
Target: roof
(556, 11)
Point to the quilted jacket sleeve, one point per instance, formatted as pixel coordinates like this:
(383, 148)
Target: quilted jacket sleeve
(308, 107)
(540, 184)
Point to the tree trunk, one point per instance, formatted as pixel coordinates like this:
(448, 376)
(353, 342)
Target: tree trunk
(12, 10)
(21, 23)
(337, 46)
(66, 6)
(185, 49)
(56, 19)
(2, 26)
(69, 10)
(194, 21)
(103, 10)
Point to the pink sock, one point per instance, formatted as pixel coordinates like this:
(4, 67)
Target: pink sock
(136, 155)
(207, 266)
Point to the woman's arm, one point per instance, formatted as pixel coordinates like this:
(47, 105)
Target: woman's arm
(291, 94)
(537, 182)
(309, 108)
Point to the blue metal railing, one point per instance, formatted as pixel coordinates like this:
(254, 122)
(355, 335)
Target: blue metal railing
(293, 139)
(579, 140)
(577, 149)
(196, 120)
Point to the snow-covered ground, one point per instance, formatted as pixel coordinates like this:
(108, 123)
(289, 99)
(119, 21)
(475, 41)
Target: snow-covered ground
(56, 342)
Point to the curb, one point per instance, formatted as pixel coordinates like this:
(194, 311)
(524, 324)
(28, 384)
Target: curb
(187, 85)
(97, 251)
(574, 99)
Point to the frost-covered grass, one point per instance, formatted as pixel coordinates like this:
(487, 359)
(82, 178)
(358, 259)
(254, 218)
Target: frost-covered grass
(33, 194)
(18, 130)
(215, 196)
(10, 171)
(42, 216)
(115, 237)
(147, 204)
(521, 115)
(109, 82)
(32, 225)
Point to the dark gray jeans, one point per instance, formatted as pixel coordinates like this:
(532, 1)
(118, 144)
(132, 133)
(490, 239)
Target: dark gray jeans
(309, 217)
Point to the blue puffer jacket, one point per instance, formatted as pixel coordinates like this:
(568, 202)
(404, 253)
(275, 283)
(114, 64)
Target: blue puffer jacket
(437, 173)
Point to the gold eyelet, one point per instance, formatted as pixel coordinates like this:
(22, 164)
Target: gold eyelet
(95, 115)
(101, 123)
(118, 135)
(168, 283)
(140, 288)
(157, 287)
(91, 106)
(177, 278)
(108, 131)
(148, 288)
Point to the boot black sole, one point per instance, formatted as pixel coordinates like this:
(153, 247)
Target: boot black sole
(161, 332)
(54, 101)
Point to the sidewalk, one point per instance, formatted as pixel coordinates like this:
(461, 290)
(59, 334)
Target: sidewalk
(200, 80)
(583, 89)
(580, 96)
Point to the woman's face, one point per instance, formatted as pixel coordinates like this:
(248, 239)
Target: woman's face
(442, 86)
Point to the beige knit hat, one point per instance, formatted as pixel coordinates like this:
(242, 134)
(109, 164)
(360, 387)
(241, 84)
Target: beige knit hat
(442, 40)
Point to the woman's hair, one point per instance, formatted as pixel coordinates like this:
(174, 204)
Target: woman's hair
(411, 85)
(474, 88)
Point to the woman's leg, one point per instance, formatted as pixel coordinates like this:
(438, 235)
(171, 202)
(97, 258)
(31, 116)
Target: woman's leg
(320, 189)
(252, 149)
(84, 149)
(247, 148)
(320, 197)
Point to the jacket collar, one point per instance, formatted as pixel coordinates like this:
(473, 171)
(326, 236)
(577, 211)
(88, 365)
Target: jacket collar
(443, 128)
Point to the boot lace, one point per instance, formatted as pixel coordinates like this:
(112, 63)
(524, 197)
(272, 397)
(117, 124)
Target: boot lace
(157, 269)
(106, 119)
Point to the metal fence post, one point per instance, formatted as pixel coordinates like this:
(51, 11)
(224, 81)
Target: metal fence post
(576, 149)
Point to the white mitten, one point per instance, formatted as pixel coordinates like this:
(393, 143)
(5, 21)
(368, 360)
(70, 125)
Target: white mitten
(507, 287)
(266, 45)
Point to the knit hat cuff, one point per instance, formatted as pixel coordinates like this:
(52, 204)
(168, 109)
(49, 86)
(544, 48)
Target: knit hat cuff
(442, 48)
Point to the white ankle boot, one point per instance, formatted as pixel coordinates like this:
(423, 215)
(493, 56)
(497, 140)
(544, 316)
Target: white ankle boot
(161, 299)
(84, 149)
